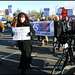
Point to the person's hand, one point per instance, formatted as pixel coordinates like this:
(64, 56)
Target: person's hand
(3, 31)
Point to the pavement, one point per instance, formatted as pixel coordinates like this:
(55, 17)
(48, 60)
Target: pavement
(43, 60)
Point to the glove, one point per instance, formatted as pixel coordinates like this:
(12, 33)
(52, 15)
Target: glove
(3, 31)
(30, 33)
(12, 34)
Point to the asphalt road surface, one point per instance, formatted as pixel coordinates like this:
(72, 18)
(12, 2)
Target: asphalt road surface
(43, 60)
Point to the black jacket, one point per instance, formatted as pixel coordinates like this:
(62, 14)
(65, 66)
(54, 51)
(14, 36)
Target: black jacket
(62, 23)
(26, 49)
(57, 28)
(26, 44)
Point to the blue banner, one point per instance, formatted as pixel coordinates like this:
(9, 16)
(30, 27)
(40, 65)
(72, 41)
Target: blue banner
(43, 28)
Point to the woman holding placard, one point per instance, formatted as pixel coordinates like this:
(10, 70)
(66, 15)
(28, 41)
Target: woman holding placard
(25, 45)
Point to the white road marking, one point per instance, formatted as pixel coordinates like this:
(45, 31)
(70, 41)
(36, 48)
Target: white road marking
(32, 55)
(52, 60)
(12, 60)
(17, 52)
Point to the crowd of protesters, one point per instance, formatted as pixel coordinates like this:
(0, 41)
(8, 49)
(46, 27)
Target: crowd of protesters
(60, 26)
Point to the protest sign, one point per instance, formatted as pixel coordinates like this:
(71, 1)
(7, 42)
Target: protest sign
(43, 28)
(21, 33)
(59, 11)
(46, 11)
(38, 15)
(33, 17)
(6, 12)
(70, 13)
(64, 13)
(10, 8)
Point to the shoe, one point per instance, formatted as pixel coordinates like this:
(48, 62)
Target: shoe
(23, 71)
(33, 45)
(38, 40)
(15, 46)
(57, 42)
(53, 51)
(47, 43)
(31, 65)
(59, 49)
(42, 45)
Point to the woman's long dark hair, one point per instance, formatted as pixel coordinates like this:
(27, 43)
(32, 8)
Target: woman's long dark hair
(26, 17)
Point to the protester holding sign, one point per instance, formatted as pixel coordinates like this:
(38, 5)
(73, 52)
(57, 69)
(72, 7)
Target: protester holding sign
(68, 24)
(62, 23)
(14, 21)
(43, 18)
(25, 45)
(30, 19)
(13, 24)
(57, 32)
(38, 35)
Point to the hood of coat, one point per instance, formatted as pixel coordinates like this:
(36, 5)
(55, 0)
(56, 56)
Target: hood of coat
(26, 23)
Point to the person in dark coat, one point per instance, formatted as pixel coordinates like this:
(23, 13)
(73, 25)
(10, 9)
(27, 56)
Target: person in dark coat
(62, 23)
(25, 45)
(57, 32)
(43, 18)
(13, 24)
(14, 20)
(30, 19)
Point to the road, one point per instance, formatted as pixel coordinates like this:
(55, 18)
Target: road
(42, 59)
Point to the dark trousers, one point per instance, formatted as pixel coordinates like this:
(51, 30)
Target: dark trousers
(55, 40)
(24, 62)
(38, 38)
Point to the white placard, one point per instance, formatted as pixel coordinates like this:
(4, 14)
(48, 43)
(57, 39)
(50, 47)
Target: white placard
(21, 33)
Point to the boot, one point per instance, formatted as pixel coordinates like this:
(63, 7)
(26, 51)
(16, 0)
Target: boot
(23, 71)
(42, 44)
(47, 43)
(59, 49)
